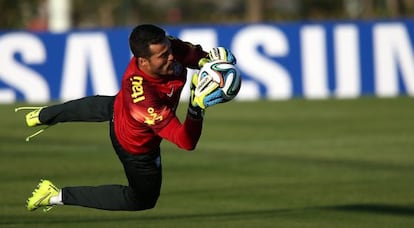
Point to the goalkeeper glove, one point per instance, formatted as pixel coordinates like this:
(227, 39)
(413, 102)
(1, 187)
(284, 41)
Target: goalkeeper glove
(194, 110)
(221, 53)
(202, 95)
(218, 53)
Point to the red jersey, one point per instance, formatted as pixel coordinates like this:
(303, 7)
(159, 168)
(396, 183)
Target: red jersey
(145, 107)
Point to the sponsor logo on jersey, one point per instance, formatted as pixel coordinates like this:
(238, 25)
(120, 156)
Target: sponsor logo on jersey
(137, 90)
(171, 92)
(152, 116)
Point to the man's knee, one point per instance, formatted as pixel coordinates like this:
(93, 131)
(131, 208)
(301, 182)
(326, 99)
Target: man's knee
(144, 201)
(148, 205)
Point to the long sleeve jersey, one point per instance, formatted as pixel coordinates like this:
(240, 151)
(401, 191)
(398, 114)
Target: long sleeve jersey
(145, 107)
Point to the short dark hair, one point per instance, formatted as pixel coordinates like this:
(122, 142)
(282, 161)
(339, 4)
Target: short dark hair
(142, 37)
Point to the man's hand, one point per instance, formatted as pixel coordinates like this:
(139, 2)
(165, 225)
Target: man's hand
(203, 94)
(218, 53)
(223, 54)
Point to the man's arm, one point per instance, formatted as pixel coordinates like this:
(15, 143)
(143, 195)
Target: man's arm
(185, 135)
(187, 53)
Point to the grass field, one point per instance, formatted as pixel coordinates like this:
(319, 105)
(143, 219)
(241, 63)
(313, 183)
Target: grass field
(296, 163)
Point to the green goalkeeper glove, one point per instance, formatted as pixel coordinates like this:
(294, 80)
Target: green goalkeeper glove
(223, 54)
(203, 94)
(218, 53)
(194, 110)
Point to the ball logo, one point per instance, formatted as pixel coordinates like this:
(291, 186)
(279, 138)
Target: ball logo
(234, 86)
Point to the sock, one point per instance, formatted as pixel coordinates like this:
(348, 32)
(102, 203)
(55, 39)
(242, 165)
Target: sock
(56, 200)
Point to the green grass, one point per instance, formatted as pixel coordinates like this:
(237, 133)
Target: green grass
(296, 163)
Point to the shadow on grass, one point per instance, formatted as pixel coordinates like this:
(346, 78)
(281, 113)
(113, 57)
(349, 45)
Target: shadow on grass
(376, 209)
(381, 209)
(40, 219)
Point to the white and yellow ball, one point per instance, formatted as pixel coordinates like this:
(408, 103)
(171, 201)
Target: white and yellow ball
(225, 75)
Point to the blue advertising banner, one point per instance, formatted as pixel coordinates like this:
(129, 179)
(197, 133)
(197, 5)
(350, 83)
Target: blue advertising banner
(341, 59)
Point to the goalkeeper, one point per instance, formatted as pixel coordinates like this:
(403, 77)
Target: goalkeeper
(140, 116)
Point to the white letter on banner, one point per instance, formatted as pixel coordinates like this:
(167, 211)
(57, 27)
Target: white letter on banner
(31, 84)
(207, 38)
(347, 61)
(392, 52)
(315, 82)
(83, 51)
(272, 75)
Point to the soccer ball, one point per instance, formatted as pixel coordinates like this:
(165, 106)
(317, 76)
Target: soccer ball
(225, 75)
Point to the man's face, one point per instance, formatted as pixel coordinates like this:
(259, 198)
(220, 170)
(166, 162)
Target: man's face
(160, 63)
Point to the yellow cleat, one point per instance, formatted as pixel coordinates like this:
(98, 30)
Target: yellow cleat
(32, 118)
(41, 196)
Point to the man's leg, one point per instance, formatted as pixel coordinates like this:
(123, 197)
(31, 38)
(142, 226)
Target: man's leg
(144, 175)
(87, 109)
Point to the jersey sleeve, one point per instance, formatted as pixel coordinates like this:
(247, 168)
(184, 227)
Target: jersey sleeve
(187, 53)
(185, 135)
(162, 120)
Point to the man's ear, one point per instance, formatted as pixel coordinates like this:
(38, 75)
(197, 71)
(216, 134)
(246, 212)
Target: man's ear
(142, 62)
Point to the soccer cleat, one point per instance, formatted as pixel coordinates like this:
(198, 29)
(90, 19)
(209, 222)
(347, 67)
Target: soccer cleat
(41, 196)
(32, 118)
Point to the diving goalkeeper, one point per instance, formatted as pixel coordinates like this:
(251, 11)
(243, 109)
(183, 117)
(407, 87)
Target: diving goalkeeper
(140, 116)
